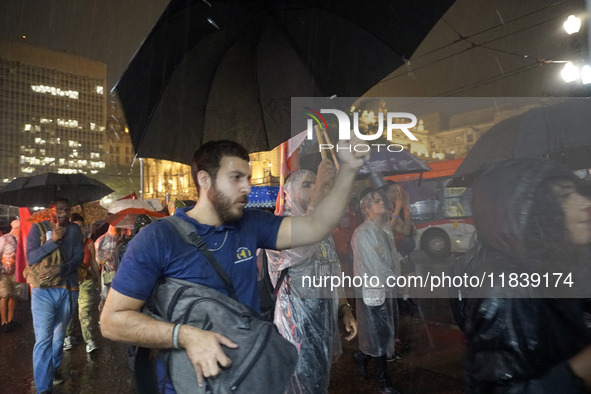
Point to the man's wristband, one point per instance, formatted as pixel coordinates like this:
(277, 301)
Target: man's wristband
(175, 336)
(395, 216)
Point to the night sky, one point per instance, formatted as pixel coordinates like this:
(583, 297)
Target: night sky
(106, 30)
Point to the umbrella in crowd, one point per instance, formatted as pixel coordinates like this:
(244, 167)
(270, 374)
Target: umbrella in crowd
(42, 189)
(213, 70)
(127, 203)
(124, 212)
(556, 132)
(126, 217)
(392, 163)
(91, 212)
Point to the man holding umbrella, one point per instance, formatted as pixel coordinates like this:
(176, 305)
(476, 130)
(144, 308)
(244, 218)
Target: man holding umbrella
(221, 172)
(54, 252)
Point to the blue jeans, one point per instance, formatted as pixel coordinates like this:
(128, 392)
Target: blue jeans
(51, 309)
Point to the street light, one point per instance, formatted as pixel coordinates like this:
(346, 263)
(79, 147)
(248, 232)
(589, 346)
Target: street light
(569, 72)
(572, 24)
(586, 74)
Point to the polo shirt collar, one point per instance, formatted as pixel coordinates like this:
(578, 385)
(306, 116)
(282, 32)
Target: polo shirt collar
(204, 228)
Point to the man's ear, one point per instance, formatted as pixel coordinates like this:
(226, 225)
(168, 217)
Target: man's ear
(204, 180)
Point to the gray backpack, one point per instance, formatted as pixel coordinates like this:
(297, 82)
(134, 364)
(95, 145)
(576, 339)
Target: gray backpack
(263, 362)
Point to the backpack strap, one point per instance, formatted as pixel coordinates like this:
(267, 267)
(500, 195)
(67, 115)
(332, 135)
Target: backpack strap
(267, 277)
(188, 234)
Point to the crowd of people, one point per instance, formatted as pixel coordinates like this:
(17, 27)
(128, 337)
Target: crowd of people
(530, 215)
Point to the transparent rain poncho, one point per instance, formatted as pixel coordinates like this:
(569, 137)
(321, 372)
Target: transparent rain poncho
(375, 255)
(306, 316)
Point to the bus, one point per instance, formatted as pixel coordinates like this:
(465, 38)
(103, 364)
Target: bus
(442, 214)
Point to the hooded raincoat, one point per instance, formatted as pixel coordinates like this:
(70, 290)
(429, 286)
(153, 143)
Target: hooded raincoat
(307, 315)
(375, 256)
(517, 342)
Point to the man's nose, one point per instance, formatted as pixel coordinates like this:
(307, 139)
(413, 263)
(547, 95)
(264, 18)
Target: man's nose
(245, 186)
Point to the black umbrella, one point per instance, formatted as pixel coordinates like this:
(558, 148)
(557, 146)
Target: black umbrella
(392, 163)
(42, 189)
(559, 132)
(228, 69)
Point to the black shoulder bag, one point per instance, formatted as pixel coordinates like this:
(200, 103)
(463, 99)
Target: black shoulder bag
(263, 362)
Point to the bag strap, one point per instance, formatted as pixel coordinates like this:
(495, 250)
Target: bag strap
(267, 277)
(189, 235)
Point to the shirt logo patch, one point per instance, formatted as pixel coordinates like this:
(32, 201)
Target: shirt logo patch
(243, 254)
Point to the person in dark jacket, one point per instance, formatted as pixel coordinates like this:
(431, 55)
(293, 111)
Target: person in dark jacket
(531, 219)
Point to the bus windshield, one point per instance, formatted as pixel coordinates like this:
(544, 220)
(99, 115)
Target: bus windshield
(442, 203)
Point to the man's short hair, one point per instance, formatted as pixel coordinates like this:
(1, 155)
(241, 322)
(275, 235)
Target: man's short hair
(208, 157)
(76, 217)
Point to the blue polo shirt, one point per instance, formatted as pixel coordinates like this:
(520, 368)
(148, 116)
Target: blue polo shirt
(157, 251)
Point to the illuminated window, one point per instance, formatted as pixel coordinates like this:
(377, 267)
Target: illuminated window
(72, 124)
(100, 89)
(55, 91)
(67, 171)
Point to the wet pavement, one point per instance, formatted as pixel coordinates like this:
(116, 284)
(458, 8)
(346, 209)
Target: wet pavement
(433, 364)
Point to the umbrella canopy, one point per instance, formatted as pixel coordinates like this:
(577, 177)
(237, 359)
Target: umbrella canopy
(126, 217)
(127, 203)
(227, 70)
(557, 132)
(262, 197)
(91, 213)
(42, 189)
(392, 163)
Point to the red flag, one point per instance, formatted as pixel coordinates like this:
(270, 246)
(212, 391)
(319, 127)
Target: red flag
(21, 246)
(289, 161)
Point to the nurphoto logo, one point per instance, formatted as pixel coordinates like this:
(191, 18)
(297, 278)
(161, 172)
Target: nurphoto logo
(393, 122)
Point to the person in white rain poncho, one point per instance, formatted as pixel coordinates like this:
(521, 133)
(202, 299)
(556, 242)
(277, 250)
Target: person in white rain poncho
(306, 316)
(375, 256)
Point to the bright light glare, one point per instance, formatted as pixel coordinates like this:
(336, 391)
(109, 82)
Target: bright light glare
(570, 72)
(586, 74)
(572, 24)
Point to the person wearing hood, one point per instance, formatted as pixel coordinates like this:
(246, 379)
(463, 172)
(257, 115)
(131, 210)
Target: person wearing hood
(306, 315)
(531, 219)
(375, 256)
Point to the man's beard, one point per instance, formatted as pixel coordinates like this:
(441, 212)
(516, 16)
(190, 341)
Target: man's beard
(223, 205)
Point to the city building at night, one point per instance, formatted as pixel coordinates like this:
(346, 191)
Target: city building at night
(52, 112)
